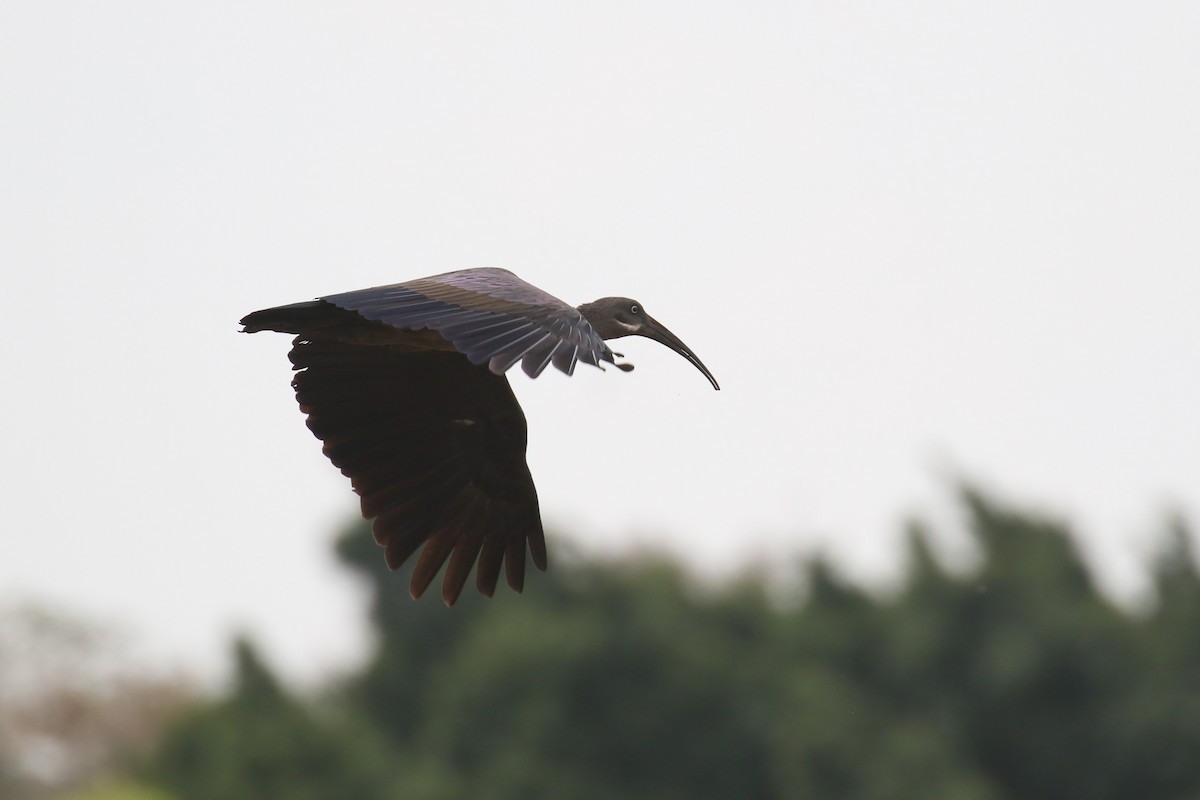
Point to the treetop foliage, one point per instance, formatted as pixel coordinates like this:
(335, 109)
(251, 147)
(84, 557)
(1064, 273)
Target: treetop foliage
(1019, 681)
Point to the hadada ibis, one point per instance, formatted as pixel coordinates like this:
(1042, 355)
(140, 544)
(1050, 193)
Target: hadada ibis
(405, 385)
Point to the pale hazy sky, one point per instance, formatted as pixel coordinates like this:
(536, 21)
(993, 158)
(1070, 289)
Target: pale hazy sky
(913, 241)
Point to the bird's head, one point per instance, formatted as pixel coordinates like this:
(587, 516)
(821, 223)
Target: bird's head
(614, 317)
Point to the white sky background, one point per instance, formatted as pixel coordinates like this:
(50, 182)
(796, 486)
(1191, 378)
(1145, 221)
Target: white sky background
(913, 241)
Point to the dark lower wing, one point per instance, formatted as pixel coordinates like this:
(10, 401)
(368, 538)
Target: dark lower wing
(434, 446)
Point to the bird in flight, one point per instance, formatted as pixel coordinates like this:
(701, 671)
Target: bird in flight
(405, 386)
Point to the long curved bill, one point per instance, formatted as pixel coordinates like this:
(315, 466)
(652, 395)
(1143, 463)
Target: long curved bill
(655, 330)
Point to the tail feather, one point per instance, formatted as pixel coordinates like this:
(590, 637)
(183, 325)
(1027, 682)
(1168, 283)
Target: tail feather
(296, 318)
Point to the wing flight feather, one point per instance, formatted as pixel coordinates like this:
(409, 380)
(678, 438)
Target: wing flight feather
(489, 315)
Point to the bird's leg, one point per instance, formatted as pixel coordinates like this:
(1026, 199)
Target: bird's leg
(622, 367)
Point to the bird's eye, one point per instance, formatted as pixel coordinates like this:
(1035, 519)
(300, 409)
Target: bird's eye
(634, 309)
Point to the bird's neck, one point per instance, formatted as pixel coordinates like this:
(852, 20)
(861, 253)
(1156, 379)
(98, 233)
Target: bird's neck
(601, 322)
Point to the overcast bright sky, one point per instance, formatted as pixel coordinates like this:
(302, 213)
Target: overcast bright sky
(914, 242)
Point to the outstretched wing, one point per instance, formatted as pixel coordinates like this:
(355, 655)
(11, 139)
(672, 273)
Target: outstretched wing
(435, 448)
(489, 315)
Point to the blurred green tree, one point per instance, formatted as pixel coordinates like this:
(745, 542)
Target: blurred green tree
(1018, 681)
(262, 742)
(116, 790)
